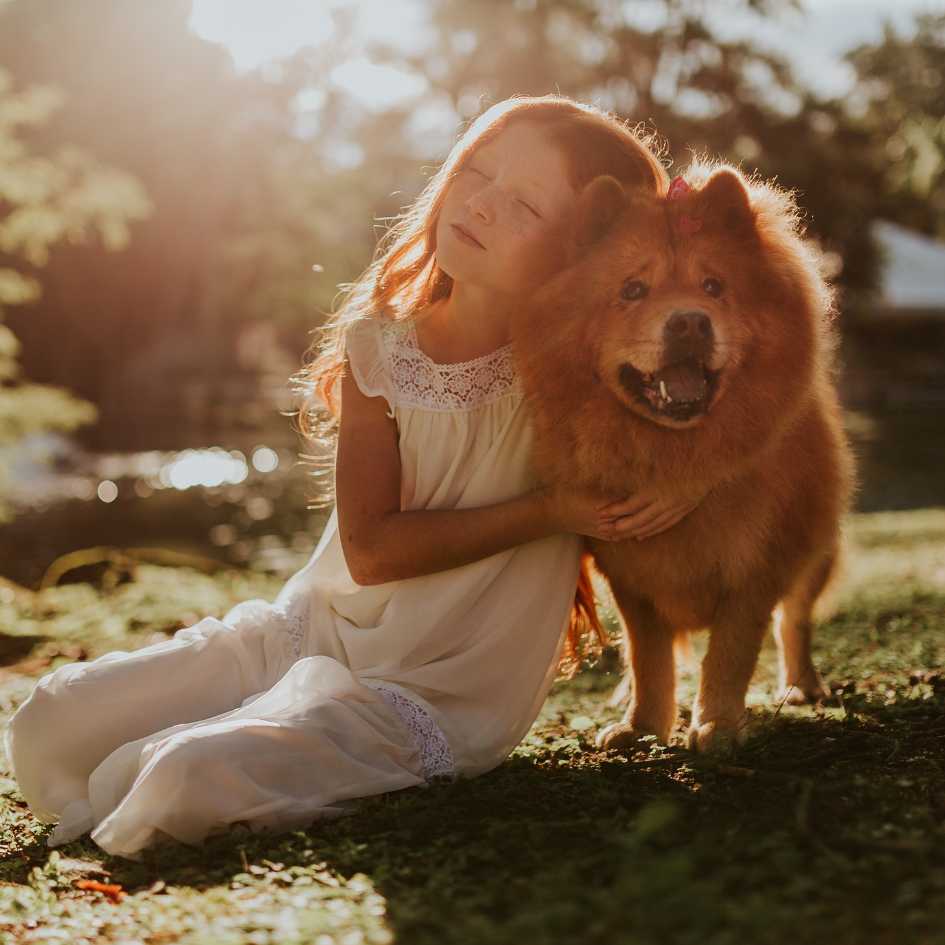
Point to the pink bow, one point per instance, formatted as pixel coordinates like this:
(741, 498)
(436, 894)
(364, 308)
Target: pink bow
(686, 224)
(677, 188)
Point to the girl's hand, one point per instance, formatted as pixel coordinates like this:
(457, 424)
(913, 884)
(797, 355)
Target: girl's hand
(646, 514)
(581, 511)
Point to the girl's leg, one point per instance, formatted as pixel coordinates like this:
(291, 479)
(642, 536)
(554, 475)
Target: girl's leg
(81, 712)
(304, 750)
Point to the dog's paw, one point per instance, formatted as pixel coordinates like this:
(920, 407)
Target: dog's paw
(717, 737)
(622, 736)
(805, 691)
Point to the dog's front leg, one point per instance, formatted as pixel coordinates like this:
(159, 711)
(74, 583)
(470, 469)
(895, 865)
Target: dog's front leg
(652, 710)
(719, 717)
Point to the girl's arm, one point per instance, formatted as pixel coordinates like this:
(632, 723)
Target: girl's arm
(381, 543)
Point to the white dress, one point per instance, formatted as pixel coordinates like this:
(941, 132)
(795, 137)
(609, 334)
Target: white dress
(283, 713)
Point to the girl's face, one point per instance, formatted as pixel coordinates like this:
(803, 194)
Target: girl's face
(513, 198)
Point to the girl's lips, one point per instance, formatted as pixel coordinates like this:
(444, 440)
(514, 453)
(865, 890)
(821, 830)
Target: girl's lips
(466, 236)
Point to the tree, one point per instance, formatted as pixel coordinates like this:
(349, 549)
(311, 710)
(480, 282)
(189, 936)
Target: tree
(46, 199)
(670, 66)
(244, 207)
(901, 107)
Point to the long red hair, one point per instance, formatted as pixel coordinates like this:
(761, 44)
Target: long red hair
(403, 278)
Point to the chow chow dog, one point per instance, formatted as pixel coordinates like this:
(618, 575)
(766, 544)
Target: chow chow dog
(686, 345)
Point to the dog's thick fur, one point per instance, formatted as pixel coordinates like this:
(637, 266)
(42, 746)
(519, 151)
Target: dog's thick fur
(686, 345)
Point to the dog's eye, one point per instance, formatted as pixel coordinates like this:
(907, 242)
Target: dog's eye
(712, 287)
(633, 290)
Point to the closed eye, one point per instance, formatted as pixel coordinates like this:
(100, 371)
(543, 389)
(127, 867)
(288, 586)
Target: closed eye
(476, 170)
(533, 210)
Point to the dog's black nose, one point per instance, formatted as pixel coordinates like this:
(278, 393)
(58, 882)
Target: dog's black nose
(691, 326)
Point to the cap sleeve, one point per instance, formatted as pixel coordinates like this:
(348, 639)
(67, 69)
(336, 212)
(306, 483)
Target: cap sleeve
(364, 347)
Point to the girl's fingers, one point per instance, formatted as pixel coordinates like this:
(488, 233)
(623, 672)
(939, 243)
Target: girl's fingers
(620, 529)
(649, 521)
(633, 523)
(653, 524)
(644, 510)
(673, 516)
(632, 505)
(667, 521)
(608, 532)
(629, 506)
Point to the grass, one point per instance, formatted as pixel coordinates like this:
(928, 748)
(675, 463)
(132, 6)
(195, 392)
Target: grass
(829, 825)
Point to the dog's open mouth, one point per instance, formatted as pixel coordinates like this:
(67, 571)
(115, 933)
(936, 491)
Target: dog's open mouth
(678, 391)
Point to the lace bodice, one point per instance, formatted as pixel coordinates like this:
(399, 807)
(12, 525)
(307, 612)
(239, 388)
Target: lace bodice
(421, 382)
(436, 756)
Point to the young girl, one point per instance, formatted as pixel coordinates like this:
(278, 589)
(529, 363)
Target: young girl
(424, 633)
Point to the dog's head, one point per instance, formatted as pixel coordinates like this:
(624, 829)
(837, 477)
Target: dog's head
(695, 305)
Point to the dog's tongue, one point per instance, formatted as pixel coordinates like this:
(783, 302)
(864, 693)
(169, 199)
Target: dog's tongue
(684, 381)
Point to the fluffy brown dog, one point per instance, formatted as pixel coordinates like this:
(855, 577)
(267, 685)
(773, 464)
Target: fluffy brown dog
(686, 345)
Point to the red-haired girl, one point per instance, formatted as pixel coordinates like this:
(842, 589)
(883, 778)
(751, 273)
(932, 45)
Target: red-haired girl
(424, 633)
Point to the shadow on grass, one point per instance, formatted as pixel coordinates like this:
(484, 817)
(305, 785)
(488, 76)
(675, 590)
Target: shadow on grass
(829, 824)
(835, 820)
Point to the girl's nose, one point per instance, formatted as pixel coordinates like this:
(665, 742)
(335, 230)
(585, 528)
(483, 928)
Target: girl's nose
(481, 203)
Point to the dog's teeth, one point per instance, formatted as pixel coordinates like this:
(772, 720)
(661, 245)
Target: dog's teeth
(665, 396)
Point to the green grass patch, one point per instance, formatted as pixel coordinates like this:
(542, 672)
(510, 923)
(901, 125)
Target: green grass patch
(829, 825)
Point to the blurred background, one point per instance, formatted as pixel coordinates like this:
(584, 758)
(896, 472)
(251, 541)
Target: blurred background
(185, 185)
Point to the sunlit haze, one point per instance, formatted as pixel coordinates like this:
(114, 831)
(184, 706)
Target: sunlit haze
(257, 33)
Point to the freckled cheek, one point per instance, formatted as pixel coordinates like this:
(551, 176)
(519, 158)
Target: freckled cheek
(519, 230)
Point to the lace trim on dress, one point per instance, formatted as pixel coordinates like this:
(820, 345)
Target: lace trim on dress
(296, 617)
(421, 382)
(435, 753)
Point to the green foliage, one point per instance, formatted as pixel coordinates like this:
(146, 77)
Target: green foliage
(827, 825)
(252, 190)
(901, 103)
(678, 70)
(44, 200)
(254, 223)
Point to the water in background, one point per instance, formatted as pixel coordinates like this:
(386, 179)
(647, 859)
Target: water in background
(246, 505)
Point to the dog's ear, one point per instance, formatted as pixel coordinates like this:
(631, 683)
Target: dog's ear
(600, 203)
(726, 203)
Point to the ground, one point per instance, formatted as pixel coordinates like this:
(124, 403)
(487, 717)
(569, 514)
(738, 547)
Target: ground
(828, 826)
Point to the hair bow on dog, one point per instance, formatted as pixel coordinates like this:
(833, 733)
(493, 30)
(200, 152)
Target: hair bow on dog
(686, 224)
